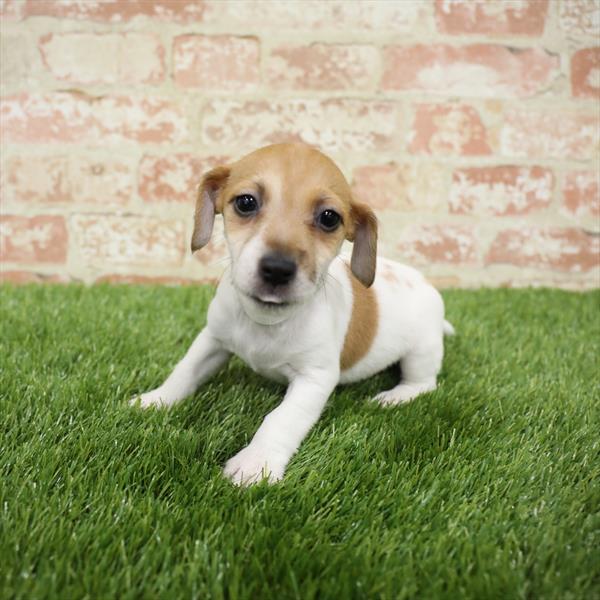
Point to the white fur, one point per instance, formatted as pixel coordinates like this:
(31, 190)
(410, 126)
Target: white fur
(300, 344)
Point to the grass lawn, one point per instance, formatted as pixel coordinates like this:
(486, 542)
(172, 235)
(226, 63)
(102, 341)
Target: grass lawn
(487, 488)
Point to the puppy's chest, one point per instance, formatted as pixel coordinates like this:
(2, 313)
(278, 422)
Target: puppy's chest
(262, 349)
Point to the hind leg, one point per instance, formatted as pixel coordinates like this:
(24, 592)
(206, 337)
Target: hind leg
(419, 374)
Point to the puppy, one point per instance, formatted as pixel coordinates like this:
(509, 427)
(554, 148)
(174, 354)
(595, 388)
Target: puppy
(294, 310)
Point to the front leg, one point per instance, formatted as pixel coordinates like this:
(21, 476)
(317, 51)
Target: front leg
(204, 358)
(283, 429)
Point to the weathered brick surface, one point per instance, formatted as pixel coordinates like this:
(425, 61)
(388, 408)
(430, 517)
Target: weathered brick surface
(56, 179)
(560, 249)
(409, 186)
(11, 10)
(316, 15)
(503, 190)
(104, 58)
(452, 129)
(581, 194)
(550, 133)
(450, 244)
(585, 73)
(113, 240)
(471, 126)
(146, 280)
(523, 18)
(477, 70)
(580, 17)
(21, 277)
(173, 178)
(332, 125)
(117, 11)
(40, 239)
(322, 67)
(75, 117)
(18, 60)
(216, 62)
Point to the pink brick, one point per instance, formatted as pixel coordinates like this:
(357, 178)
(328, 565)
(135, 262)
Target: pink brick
(112, 240)
(448, 129)
(499, 191)
(117, 11)
(476, 70)
(146, 280)
(526, 17)
(581, 193)
(322, 67)
(566, 249)
(24, 277)
(332, 125)
(317, 15)
(88, 58)
(580, 17)
(76, 117)
(449, 244)
(41, 239)
(585, 73)
(173, 178)
(408, 186)
(216, 62)
(550, 133)
(11, 10)
(74, 179)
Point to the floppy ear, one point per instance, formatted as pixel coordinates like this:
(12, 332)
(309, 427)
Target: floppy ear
(207, 206)
(364, 251)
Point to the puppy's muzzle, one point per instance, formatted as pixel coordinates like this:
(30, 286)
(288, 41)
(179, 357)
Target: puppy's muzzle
(277, 269)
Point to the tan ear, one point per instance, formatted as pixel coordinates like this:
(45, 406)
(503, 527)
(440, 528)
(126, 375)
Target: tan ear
(207, 206)
(364, 252)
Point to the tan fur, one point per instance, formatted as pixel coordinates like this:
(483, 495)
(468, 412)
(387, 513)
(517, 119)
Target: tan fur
(292, 181)
(363, 324)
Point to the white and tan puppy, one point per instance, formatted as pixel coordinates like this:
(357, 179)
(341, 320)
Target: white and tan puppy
(293, 309)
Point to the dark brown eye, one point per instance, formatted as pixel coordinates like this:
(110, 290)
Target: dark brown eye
(245, 204)
(329, 220)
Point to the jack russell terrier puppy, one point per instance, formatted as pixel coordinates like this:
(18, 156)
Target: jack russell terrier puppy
(293, 309)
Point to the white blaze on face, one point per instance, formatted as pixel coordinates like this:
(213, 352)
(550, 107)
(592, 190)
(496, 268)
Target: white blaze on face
(247, 280)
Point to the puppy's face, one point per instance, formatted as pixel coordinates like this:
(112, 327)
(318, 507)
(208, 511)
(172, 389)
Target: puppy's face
(287, 209)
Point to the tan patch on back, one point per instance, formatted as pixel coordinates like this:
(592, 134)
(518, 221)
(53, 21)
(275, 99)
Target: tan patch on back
(363, 324)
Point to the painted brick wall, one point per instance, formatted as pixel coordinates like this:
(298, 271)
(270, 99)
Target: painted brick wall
(472, 126)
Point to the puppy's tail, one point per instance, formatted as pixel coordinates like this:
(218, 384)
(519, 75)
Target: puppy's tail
(448, 329)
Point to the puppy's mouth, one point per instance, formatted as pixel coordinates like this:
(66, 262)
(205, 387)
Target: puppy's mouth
(269, 301)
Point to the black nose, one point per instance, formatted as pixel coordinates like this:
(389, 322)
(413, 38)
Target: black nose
(277, 269)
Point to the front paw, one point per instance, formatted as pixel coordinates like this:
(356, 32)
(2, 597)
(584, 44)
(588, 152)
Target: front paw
(156, 398)
(253, 464)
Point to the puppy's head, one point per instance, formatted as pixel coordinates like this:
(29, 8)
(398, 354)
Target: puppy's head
(287, 209)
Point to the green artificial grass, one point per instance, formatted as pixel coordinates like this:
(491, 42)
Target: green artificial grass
(487, 488)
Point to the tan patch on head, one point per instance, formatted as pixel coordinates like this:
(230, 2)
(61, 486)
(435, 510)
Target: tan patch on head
(291, 180)
(363, 324)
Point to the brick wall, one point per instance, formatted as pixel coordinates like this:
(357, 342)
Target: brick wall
(471, 126)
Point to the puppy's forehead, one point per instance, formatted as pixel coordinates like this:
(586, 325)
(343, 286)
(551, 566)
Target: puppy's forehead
(291, 168)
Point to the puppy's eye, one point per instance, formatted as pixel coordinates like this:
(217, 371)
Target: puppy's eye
(245, 204)
(329, 220)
